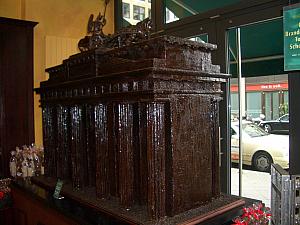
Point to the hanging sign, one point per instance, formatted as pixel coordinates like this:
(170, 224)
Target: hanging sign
(291, 29)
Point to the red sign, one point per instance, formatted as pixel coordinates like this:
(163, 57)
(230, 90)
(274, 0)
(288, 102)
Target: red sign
(234, 156)
(262, 87)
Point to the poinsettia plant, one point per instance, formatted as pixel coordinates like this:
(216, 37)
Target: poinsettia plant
(257, 214)
(5, 196)
(1, 195)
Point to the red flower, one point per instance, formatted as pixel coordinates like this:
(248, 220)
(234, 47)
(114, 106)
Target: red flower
(238, 222)
(1, 195)
(258, 214)
(255, 216)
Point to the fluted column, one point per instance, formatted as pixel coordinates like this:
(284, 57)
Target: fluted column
(153, 140)
(63, 148)
(125, 152)
(102, 151)
(214, 123)
(90, 143)
(78, 151)
(49, 134)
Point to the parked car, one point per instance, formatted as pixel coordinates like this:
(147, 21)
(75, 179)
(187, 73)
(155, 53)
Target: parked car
(260, 149)
(281, 125)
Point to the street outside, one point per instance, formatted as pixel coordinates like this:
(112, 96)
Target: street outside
(256, 185)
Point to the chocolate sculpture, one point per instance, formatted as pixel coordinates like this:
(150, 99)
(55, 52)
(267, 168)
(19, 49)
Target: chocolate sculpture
(138, 125)
(95, 37)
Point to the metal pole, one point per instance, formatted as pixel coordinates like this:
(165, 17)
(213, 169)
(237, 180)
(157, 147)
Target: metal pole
(239, 70)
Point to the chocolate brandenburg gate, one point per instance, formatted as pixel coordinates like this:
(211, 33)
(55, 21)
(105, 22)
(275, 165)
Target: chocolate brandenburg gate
(133, 126)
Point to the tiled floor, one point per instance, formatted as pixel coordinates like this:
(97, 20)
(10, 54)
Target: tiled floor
(256, 185)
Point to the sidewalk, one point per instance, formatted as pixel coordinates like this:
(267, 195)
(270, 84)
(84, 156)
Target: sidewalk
(256, 185)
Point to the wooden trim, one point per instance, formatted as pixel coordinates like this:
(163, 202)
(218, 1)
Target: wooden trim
(214, 213)
(17, 22)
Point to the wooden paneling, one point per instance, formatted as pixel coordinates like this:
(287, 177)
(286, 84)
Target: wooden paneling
(16, 94)
(28, 211)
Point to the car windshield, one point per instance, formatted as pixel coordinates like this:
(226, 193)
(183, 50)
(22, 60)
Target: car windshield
(254, 131)
(284, 118)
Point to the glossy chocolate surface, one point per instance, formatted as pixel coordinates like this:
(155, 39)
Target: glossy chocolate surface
(138, 124)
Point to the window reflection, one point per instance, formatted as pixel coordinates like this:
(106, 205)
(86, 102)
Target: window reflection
(126, 10)
(138, 13)
(135, 11)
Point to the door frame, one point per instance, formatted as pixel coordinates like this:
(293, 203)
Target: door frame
(216, 28)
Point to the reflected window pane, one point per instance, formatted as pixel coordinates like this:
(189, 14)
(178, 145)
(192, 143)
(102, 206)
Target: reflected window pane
(135, 11)
(138, 13)
(126, 10)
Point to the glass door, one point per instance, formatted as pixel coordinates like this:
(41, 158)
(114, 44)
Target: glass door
(256, 63)
(219, 27)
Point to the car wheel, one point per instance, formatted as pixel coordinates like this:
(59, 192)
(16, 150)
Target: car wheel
(267, 128)
(262, 161)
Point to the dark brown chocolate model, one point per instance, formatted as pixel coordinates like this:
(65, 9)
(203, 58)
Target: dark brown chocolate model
(139, 123)
(96, 38)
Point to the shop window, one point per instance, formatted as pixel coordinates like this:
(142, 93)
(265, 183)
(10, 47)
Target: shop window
(275, 106)
(234, 102)
(286, 97)
(149, 13)
(253, 104)
(284, 106)
(126, 10)
(138, 13)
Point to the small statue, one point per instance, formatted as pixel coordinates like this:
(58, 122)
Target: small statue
(131, 34)
(96, 29)
(95, 37)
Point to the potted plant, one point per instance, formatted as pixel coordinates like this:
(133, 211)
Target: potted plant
(257, 214)
(5, 197)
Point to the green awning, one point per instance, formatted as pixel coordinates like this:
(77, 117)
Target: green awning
(185, 8)
(261, 49)
(261, 43)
